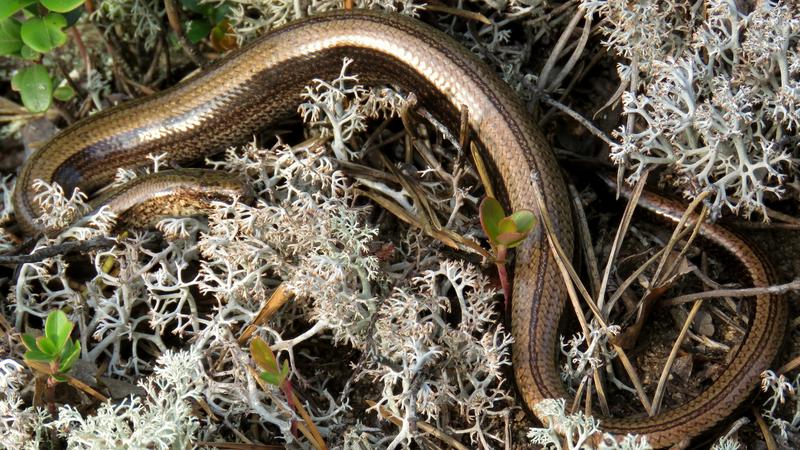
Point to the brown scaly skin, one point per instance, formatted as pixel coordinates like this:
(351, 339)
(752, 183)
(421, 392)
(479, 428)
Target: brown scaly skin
(261, 83)
(145, 200)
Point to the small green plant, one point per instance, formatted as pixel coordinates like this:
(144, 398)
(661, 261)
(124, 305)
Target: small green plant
(54, 352)
(212, 23)
(265, 359)
(28, 30)
(504, 233)
(278, 375)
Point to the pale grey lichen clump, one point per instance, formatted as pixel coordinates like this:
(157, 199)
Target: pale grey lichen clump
(711, 92)
(577, 431)
(581, 360)
(143, 16)
(437, 366)
(251, 18)
(161, 419)
(782, 407)
(21, 427)
(306, 233)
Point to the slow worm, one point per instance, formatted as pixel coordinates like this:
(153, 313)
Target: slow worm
(261, 83)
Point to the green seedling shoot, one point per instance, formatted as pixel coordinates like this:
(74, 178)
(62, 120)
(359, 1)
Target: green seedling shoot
(278, 375)
(272, 373)
(504, 233)
(53, 353)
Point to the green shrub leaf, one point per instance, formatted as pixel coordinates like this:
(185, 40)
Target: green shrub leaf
(69, 356)
(29, 54)
(491, 213)
(37, 355)
(29, 341)
(506, 225)
(271, 378)
(9, 7)
(284, 370)
(61, 6)
(57, 328)
(197, 30)
(47, 346)
(524, 220)
(510, 240)
(263, 355)
(44, 33)
(35, 87)
(10, 40)
(64, 93)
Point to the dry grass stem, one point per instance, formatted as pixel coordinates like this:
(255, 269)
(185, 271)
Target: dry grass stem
(673, 241)
(278, 298)
(76, 383)
(571, 280)
(469, 15)
(769, 439)
(446, 237)
(585, 239)
(480, 167)
(662, 381)
(776, 289)
(620, 236)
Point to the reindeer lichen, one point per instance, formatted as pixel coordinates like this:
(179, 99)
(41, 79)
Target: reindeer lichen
(711, 93)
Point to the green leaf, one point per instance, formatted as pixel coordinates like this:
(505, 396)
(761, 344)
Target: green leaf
(59, 378)
(29, 341)
(61, 6)
(35, 87)
(47, 346)
(491, 213)
(69, 357)
(271, 378)
(284, 370)
(44, 33)
(506, 225)
(511, 240)
(64, 93)
(197, 30)
(524, 220)
(10, 41)
(9, 7)
(29, 54)
(37, 355)
(58, 328)
(263, 355)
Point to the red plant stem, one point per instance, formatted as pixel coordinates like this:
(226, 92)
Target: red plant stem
(50, 395)
(503, 274)
(286, 387)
